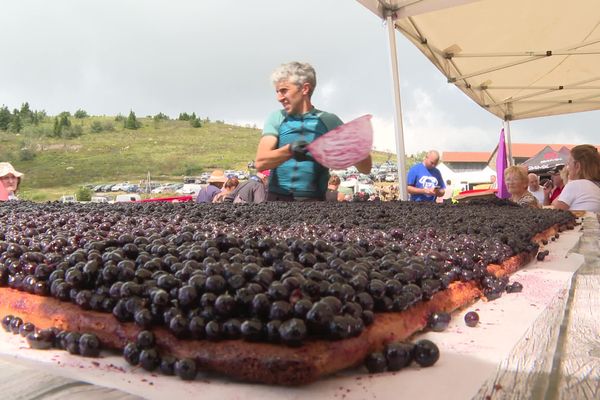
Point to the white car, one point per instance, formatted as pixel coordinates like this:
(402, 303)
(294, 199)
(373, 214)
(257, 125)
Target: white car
(68, 199)
(125, 198)
(190, 188)
(99, 199)
(391, 178)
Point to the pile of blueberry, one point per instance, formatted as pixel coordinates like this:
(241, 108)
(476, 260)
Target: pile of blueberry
(84, 344)
(398, 355)
(275, 272)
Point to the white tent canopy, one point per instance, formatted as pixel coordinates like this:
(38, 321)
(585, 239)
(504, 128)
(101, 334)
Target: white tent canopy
(517, 59)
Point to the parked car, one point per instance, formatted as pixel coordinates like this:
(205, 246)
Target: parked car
(189, 188)
(99, 199)
(68, 199)
(125, 198)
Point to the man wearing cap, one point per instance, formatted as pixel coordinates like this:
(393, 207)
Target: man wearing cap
(296, 176)
(215, 182)
(10, 179)
(253, 191)
(553, 187)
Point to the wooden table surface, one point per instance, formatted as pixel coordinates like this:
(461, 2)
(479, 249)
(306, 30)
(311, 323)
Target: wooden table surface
(562, 363)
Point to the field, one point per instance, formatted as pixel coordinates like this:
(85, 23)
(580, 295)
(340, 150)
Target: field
(166, 149)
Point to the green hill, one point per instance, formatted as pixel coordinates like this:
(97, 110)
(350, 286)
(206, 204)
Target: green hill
(167, 149)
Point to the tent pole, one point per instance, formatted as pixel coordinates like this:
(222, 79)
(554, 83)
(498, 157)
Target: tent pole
(508, 142)
(400, 152)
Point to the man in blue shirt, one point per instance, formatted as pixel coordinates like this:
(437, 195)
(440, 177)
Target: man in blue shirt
(424, 182)
(295, 174)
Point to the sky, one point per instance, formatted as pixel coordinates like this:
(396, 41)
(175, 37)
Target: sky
(215, 57)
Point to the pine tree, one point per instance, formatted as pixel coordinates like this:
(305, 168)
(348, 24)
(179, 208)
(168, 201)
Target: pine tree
(5, 118)
(25, 113)
(16, 125)
(131, 122)
(57, 128)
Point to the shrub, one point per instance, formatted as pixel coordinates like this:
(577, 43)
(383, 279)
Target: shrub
(96, 127)
(195, 123)
(84, 194)
(80, 114)
(72, 132)
(160, 116)
(26, 154)
(108, 126)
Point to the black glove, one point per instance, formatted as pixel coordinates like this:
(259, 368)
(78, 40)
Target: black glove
(299, 150)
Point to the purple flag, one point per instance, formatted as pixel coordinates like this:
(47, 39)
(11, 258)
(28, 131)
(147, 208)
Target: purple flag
(501, 165)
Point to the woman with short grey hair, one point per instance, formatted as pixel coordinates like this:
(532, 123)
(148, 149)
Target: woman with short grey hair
(297, 73)
(283, 148)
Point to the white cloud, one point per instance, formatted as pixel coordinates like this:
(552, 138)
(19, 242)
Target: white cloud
(428, 126)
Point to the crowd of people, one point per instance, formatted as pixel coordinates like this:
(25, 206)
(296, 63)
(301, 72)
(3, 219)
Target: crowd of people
(288, 172)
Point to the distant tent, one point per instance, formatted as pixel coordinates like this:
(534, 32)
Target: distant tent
(547, 159)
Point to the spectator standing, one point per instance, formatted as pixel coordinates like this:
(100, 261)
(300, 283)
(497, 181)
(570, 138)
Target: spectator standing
(10, 180)
(215, 182)
(425, 181)
(553, 187)
(582, 191)
(296, 176)
(535, 189)
(493, 184)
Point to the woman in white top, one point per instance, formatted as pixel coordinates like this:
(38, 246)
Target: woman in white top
(582, 192)
(10, 179)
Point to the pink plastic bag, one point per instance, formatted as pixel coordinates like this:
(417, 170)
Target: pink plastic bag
(345, 145)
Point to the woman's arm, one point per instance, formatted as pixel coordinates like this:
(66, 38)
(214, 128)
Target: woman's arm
(560, 205)
(364, 166)
(268, 156)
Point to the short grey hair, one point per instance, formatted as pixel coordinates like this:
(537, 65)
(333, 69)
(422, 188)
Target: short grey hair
(297, 73)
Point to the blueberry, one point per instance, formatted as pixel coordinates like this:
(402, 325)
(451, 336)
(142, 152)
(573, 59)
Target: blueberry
(26, 329)
(398, 355)
(213, 330)
(515, 287)
(185, 369)
(167, 365)
(438, 321)
(292, 332)
(145, 340)
(131, 353)
(72, 342)
(232, 328)
(149, 359)
(252, 330)
(15, 325)
(471, 319)
(6, 322)
(426, 353)
(39, 340)
(375, 362)
(89, 345)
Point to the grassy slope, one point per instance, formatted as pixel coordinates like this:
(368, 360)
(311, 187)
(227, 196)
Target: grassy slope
(167, 149)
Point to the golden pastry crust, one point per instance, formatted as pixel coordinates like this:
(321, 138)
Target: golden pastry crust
(259, 362)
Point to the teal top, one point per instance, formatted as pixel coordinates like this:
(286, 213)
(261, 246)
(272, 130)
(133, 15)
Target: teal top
(299, 178)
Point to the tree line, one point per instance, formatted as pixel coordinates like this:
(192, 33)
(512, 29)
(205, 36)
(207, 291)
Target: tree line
(63, 127)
